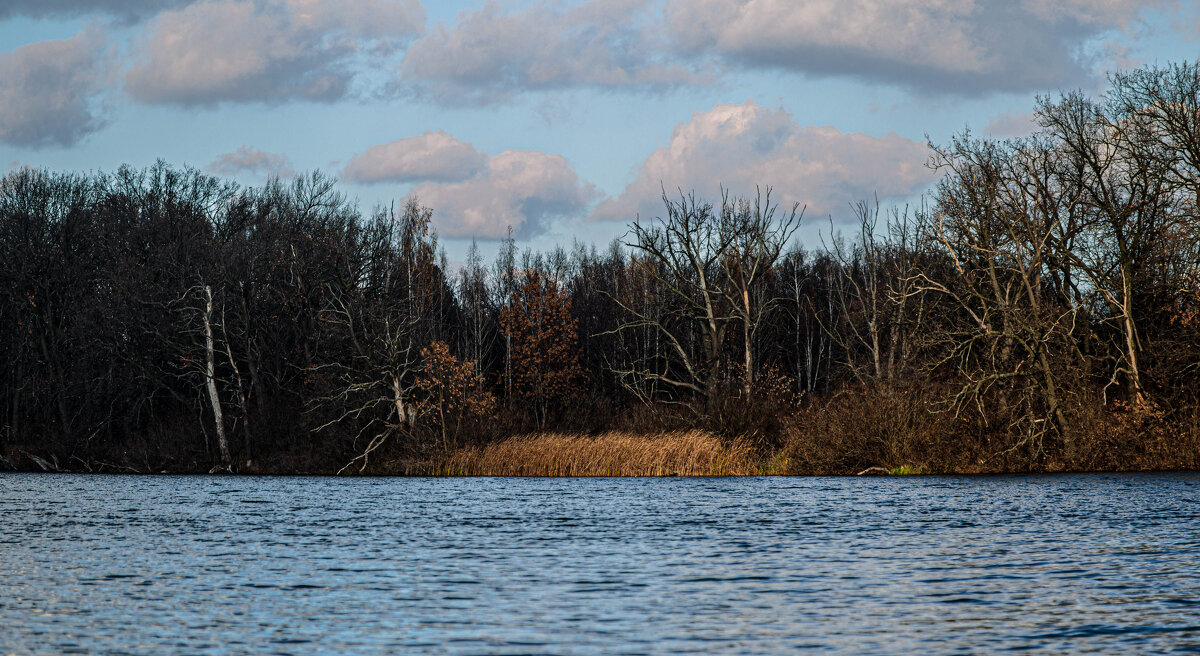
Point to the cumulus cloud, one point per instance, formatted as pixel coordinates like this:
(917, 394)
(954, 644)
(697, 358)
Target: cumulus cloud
(742, 146)
(519, 188)
(49, 90)
(268, 51)
(964, 47)
(955, 46)
(433, 156)
(474, 194)
(126, 10)
(249, 160)
(491, 53)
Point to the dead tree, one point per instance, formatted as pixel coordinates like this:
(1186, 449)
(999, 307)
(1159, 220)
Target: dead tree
(758, 236)
(380, 316)
(210, 376)
(875, 291)
(711, 267)
(995, 225)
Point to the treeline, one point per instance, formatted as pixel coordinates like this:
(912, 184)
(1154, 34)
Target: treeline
(1040, 311)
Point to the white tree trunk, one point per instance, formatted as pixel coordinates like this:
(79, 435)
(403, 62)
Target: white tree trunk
(404, 414)
(210, 377)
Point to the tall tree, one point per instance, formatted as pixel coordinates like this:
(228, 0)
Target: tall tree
(546, 373)
(380, 314)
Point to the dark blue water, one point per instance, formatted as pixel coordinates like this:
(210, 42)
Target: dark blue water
(153, 565)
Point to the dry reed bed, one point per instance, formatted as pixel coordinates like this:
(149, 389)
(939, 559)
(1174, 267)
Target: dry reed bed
(687, 453)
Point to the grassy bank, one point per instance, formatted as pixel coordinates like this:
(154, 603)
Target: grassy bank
(880, 429)
(684, 453)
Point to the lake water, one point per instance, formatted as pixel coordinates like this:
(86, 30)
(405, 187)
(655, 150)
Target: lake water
(154, 565)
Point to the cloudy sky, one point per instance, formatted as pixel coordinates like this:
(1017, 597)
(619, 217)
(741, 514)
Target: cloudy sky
(563, 120)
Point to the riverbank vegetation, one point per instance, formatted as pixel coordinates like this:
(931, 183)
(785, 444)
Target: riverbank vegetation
(682, 453)
(1039, 312)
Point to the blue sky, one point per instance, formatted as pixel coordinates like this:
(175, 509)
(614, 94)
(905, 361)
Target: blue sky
(561, 119)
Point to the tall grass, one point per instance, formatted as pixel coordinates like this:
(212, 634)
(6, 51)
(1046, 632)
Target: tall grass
(683, 453)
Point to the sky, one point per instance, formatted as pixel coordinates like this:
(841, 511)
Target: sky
(562, 120)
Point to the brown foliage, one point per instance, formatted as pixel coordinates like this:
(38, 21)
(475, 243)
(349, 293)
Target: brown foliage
(1133, 436)
(690, 453)
(451, 390)
(877, 426)
(756, 416)
(544, 369)
(891, 427)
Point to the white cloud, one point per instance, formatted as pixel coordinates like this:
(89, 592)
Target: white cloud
(953, 46)
(49, 90)
(249, 160)
(743, 146)
(269, 51)
(1103, 13)
(127, 10)
(963, 47)
(473, 194)
(519, 188)
(492, 53)
(433, 156)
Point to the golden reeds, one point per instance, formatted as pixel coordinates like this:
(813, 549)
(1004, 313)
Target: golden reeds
(686, 453)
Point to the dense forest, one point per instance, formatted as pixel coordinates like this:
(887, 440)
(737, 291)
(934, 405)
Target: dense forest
(1039, 311)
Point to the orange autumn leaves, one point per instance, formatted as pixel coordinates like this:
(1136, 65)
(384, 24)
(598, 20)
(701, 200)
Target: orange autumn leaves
(543, 346)
(451, 390)
(543, 372)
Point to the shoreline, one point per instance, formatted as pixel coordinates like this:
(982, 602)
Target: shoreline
(675, 454)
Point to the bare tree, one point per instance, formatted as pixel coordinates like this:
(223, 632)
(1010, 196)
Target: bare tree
(381, 313)
(711, 267)
(478, 329)
(1123, 178)
(996, 225)
(210, 376)
(875, 290)
(685, 252)
(758, 236)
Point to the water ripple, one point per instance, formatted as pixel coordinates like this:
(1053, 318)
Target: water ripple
(212, 565)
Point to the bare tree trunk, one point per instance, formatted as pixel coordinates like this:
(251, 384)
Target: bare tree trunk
(714, 335)
(14, 426)
(404, 416)
(894, 345)
(1131, 340)
(1051, 392)
(810, 376)
(210, 377)
(748, 380)
(241, 392)
(873, 327)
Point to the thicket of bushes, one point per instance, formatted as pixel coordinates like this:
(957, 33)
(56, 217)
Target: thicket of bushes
(1041, 312)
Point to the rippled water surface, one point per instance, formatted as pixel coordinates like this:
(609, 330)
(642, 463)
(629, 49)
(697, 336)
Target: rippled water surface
(126, 564)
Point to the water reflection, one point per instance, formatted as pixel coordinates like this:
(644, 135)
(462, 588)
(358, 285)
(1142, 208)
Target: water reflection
(293, 565)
